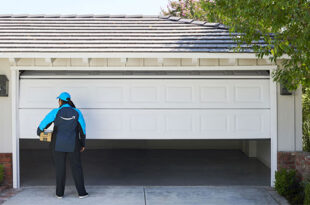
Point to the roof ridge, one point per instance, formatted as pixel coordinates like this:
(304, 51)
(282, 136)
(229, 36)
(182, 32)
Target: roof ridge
(77, 16)
(192, 21)
(168, 17)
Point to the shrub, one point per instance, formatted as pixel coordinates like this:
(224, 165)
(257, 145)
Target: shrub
(306, 119)
(307, 193)
(288, 185)
(306, 135)
(1, 173)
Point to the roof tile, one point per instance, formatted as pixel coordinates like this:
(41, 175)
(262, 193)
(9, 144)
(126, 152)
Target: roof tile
(112, 33)
(174, 18)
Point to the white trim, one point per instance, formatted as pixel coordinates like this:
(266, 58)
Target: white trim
(123, 60)
(13, 61)
(144, 68)
(195, 61)
(15, 121)
(49, 60)
(143, 77)
(160, 61)
(273, 128)
(86, 61)
(130, 55)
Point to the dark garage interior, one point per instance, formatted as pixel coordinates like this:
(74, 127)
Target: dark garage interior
(138, 164)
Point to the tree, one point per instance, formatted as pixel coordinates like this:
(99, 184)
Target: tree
(191, 9)
(284, 25)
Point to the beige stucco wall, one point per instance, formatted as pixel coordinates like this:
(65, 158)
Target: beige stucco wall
(290, 121)
(5, 112)
(289, 107)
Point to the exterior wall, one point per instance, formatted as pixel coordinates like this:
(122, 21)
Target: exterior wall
(6, 160)
(295, 160)
(5, 112)
(290, 121)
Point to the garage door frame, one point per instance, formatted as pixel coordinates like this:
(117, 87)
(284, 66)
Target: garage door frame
(15, 76)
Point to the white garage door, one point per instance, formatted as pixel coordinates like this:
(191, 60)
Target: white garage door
(154, 108)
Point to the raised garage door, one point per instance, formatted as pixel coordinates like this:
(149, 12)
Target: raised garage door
(154, 108)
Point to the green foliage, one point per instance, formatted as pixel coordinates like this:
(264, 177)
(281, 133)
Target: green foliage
(307, 193)
(1, 173)
(306, 119)
(306, 135)
(283, 25)
(190, 9)
(288, 185)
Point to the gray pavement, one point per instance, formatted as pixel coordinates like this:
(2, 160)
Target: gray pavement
(150, 195)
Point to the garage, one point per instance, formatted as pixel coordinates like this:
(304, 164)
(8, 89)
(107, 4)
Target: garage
(167, 100)
(153, 128)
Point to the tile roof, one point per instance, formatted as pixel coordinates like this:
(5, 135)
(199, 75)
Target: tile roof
(112, 33)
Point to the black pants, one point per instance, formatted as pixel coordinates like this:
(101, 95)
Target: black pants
(76, 169)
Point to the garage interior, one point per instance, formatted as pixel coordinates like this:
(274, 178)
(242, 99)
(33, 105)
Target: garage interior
(158, 128)
(150, 163)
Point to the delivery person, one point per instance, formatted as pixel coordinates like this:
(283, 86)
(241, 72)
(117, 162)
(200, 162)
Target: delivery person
(68, 139)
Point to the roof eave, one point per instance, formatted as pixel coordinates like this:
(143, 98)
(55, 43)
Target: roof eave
(130, 55)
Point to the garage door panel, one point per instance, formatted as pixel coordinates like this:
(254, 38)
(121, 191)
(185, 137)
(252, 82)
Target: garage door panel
(178, 122)
(248, 122)
(249, 94)
(214, 123)
(163, 124)
(143, 122)
(179, 94)
(214, 94)
(30, 94)
(150, 93)
(109, 94)
(144, 94)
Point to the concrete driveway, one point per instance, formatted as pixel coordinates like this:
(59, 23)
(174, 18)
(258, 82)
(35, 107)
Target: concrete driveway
(150, 195)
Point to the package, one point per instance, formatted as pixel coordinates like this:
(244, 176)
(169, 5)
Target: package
(46, 136)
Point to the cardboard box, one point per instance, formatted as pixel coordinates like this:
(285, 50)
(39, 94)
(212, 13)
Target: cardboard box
(46, 136)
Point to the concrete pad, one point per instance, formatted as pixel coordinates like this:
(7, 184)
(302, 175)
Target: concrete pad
(103, 195)
(208, 195)
(150, 195)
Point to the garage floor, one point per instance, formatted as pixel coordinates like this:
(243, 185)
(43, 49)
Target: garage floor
(151, 168)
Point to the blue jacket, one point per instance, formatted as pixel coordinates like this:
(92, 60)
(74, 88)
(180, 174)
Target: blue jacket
(69, 126)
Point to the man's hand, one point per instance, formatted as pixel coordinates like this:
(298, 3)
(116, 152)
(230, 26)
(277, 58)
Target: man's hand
(82, 149)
